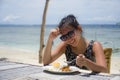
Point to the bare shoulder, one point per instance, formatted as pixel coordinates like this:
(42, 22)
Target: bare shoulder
(97, 47)
(97, 44)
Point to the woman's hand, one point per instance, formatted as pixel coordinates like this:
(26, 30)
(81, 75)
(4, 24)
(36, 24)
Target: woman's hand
(81, 60)
(54, 33)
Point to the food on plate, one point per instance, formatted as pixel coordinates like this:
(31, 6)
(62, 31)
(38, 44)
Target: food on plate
(65, 68)
(57, 67)
(56, 64)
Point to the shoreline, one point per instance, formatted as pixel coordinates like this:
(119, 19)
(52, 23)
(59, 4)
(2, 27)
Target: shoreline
(24, 56)
(19, 55)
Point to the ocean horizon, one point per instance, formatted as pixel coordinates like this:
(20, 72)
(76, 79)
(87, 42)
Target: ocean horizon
(27, 37)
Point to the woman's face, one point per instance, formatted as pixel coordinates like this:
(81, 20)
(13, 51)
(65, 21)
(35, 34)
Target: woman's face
(70, 35)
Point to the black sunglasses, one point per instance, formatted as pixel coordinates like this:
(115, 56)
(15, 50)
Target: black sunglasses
(67, 36)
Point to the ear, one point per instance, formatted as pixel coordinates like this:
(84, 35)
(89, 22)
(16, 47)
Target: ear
(80, 28)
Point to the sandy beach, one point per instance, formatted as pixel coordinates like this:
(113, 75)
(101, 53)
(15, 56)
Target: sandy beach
(28, 57)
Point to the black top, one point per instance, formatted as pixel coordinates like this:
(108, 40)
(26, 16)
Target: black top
(70, 55)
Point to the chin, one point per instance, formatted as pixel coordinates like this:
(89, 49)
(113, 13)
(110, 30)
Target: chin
(74, 44)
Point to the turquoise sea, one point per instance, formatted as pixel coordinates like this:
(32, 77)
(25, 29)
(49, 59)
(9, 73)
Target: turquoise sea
(27, 37)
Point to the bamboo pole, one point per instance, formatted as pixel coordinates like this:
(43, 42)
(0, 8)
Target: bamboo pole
(42, 31)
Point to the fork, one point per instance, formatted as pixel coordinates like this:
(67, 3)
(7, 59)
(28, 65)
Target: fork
(70, 61)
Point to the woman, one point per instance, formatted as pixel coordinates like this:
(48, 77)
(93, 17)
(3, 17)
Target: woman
(87, 54)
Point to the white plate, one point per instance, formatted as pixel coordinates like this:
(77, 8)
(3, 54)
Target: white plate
(52, 70)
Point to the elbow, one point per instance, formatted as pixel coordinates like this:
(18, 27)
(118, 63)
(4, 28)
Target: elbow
(101, 70)
(104, 70)
(46, 62)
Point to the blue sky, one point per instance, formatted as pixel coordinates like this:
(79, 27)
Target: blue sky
(86, 11)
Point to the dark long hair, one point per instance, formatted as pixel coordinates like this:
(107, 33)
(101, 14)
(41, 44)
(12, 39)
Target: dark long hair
(69, 20)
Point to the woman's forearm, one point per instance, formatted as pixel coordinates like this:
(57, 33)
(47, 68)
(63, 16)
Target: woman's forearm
(47, 56)
(95, 67)
(47, 52)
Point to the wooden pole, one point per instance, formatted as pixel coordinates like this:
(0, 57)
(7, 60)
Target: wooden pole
(42, 31)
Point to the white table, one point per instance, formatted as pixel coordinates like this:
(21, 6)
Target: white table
(19, 71)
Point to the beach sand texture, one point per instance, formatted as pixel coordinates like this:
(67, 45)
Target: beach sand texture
(32, 58)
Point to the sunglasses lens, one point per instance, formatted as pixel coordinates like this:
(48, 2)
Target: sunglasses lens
(68, 35)
(63, 38)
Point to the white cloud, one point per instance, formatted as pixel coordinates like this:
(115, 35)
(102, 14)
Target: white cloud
(87, 10)
(10, 18)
